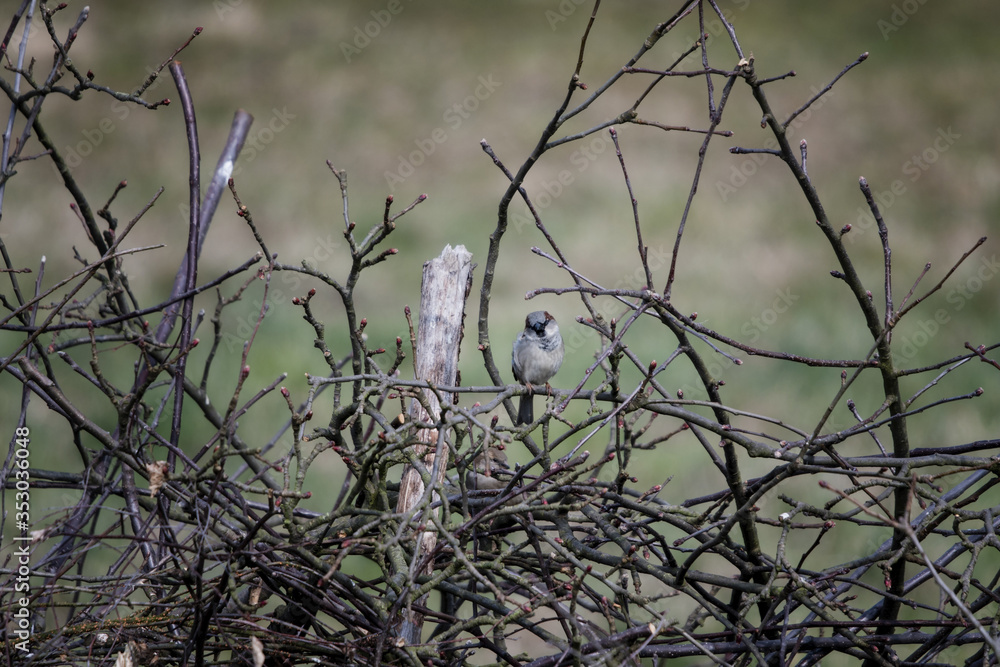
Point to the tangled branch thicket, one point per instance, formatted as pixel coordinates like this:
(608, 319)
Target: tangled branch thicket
(562, 560)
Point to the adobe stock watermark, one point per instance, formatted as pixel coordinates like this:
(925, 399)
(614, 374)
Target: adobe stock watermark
(590, 149)
(740, 174)
(223, 7)
(363, 34)
(282, 284)
(751, 331)
(563, 11)
(901, 13)
(755, 327)
(259, 139)
(454, 116)
(657, 259)
(913, 169)
(714, 28)
(20, 560)
(74, 154)
(908, 346)
(578, 337)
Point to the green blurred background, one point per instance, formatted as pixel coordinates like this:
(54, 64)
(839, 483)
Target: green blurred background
(342, 82)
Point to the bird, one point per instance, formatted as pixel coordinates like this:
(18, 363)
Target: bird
(536, 357)
(490, 470)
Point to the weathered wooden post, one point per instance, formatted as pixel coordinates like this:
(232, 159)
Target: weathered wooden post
(443, 291)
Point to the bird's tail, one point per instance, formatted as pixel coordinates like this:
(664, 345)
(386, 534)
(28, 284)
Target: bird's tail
(525, 412)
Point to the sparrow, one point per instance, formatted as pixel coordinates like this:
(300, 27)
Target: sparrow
(537, 355)
(489, 470)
